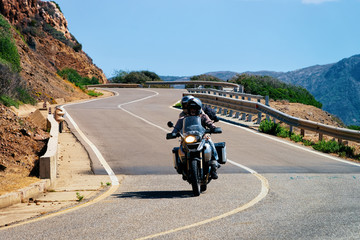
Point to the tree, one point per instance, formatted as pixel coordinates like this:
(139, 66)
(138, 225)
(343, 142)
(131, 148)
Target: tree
(119, 76)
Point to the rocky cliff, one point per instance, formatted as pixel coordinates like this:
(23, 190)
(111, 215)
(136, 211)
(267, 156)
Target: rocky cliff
(45, 46)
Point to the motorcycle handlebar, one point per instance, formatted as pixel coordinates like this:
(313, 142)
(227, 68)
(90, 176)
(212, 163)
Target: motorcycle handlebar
(175, 135)
(214, 130)
(171, 135)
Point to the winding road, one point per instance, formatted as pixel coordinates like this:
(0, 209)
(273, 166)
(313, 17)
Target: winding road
(269, 189)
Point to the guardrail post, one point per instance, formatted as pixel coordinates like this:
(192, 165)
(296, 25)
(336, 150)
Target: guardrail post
(243, 116)
(291, 130)
(259, 118)
(249, 118)
(237, 115)
(320, 136)
(220, 110)
(225, 112)
(231, 113)
(340, 140)
(267, 104)
(302, 132)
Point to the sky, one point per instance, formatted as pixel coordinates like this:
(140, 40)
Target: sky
(192, 37)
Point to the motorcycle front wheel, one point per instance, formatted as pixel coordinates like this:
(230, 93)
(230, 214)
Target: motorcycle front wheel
(195, 178)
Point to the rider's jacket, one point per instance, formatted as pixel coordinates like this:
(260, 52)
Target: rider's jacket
(205, 122)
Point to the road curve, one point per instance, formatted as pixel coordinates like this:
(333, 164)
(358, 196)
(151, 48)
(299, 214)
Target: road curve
(311, 196)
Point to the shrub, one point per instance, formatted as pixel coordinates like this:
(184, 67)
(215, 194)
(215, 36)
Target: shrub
(8, 101)
(77, 47)
(334, 147)
(73, 76)
(275, 89)
(269, 127)
(308, 142)
(282, 132)
(354, 127)
(24, 96)
(56, 34)
(8, 51)
(296, 138)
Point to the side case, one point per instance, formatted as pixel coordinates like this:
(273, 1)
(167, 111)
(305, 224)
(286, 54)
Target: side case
(221, 150)
(176, 159)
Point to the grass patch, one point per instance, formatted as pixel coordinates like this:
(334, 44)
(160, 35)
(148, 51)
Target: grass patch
(8, 101)
(93, 93)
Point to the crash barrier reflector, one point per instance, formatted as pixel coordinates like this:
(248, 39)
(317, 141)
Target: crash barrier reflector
(239, 105)
(48, 161)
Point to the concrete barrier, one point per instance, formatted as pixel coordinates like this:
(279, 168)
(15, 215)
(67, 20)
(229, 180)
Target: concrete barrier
(48, 162)
(24, 194)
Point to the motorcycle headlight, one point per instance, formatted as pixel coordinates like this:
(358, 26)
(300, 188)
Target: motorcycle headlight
(190, 139)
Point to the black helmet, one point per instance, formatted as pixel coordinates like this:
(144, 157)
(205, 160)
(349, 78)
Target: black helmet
(184, 102)
(196, 104)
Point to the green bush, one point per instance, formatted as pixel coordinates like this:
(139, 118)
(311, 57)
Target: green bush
(354, 127)
(8, 101)
(24, 96)
(296, 138)
(8, 51)
(269, 127)
(57, 34)
(334, 147)
(308, 142)
(282, 132)
(275, 89)
(77, 47)
(73, 76)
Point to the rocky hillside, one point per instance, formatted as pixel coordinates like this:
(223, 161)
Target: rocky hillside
(35, 44)
(45, 46)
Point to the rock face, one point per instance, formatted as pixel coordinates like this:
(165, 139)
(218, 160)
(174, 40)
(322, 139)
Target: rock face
(45, 46)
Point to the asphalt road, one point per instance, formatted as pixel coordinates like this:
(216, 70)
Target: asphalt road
(297, 193)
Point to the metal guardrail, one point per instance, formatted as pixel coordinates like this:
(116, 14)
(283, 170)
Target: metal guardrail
(237, 106)
(226, 93)
(114, 85)
(235, 86)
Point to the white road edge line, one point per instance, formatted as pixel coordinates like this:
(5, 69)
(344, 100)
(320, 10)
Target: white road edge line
(110, 172)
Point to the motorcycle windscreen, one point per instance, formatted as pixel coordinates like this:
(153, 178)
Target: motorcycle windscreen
(192, 125)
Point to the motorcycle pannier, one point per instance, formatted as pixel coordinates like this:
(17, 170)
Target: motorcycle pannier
(176, 159)
(221, 150)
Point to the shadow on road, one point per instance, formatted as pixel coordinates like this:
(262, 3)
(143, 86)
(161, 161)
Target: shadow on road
(155, 194)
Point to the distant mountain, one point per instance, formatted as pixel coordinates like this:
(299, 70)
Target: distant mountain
(174, 78)
(223, 75)
(336, 85)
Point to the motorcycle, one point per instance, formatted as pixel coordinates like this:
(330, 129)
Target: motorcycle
(192, 158)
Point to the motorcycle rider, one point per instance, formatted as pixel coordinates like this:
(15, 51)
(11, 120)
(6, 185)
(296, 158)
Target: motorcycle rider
(194, 108)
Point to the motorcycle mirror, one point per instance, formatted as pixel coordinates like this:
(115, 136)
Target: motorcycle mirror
(170, 124)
